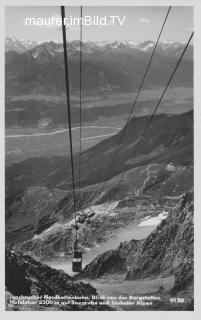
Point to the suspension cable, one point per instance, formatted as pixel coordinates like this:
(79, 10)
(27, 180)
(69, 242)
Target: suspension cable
(68, 108)
(123, 131)
(153, 114)
(80, 114)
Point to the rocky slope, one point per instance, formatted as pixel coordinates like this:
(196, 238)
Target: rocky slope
(167, 251)
(28, 277)
(48, 206)
(112, 261)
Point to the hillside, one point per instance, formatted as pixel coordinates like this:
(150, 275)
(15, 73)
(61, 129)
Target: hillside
(161, 171)
(169, 139)
(28, 277)
(49, 206)
(168, 250)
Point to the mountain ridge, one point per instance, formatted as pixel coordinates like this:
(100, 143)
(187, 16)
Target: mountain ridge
(168, 250)
(105, 69)
(169, 47)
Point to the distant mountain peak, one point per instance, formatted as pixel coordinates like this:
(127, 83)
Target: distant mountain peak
(19, 46)
(54, 46)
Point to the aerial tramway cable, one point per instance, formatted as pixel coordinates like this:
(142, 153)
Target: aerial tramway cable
(80, 114)
(68, 109)
(153, 114)
(77, 254)
(122, 133)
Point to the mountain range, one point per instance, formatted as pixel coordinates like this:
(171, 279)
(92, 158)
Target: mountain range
(111, 67)
(165, 47)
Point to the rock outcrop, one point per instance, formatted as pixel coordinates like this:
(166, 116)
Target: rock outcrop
(169, 249)
(112, 261)
(108, 262)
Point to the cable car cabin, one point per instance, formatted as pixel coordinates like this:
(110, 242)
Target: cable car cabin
(77, 261)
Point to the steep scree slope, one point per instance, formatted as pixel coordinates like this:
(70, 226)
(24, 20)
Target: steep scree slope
(26, 276)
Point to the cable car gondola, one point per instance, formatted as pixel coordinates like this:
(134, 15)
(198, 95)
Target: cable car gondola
(77, 258)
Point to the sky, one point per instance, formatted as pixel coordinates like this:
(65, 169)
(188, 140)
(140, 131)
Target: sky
(141, 23)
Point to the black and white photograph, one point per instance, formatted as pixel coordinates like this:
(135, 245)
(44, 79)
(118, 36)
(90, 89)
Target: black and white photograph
(99, 158)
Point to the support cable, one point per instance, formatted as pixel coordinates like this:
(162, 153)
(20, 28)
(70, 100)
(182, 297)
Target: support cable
(68, 109)
(80, 114)
(153, 114)
(123, 131)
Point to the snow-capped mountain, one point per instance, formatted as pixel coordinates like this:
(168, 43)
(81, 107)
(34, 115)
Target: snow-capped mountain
(20, 46)
(53, 47)
(116, 65)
